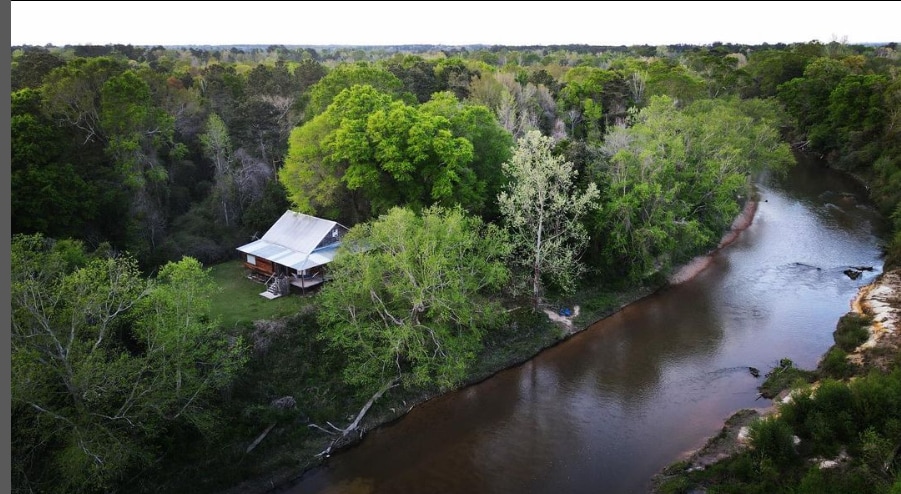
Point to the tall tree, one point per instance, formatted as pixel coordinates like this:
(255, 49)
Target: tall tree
(491, 143)
(217, 148)
(311, 175)
(417, 75)
(223, 90)
(594, 99)
(407, 296)
(54, 188)
(139, 139)
(370, 152)
(807, 99)
(542, 210)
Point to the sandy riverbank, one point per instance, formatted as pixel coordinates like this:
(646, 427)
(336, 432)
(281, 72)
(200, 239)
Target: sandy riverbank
(881, 300)
(698, 264)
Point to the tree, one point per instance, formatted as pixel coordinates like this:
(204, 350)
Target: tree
(417, 75)
(408, 296)
(264, 120)
(72, 93)
(223, 90)
(770, 68)
(519, 107)
(50, 194)
(29, 69)
(311, 175)
(491, 144)
(307, 73)
(807, 98)
(135, 128)
(105, 363)
(454, 75)
(594, 98)
(367, 153)
(407, 157)
(857, 114)
(542, 210)
(139, 136)
(675, 81)
(345, 76)
(217, 148)
(674, 180)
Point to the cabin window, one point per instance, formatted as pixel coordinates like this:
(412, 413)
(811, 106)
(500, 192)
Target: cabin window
(251, 260)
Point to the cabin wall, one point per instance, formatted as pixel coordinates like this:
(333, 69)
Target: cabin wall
(259, 265)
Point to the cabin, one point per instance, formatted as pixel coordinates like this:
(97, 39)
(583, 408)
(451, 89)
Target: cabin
(293, 252)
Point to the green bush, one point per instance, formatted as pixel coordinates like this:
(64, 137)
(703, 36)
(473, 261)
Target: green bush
(836, 365)
(877, 402)
(839, 481)
(785, 376)
(773, 438)
(678, 485)
(851, 331)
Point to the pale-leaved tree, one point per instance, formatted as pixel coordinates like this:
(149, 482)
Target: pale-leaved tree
(542, 209)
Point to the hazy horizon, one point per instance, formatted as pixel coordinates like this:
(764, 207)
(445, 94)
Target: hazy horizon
(450, 23)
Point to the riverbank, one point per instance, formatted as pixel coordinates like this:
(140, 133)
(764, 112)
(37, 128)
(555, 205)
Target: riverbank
(741, 223)
(880, 303)
(530, 333)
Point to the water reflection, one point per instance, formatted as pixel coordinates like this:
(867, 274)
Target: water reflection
(607, 409)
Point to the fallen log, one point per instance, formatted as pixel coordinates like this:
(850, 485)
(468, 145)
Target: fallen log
(260, 438)
(356, 423)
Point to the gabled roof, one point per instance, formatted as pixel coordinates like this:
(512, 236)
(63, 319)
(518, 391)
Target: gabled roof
(298, 240)
(299, 232)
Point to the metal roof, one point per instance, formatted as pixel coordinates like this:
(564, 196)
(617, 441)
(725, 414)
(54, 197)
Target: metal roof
(292, 241)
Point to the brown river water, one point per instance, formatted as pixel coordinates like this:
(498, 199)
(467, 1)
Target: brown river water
(610, 407)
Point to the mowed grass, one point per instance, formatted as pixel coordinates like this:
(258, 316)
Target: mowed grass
(239, 303)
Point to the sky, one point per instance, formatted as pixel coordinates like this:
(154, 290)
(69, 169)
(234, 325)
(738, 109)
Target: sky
(451, 23)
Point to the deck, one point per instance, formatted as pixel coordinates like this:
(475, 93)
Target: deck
(308, 282)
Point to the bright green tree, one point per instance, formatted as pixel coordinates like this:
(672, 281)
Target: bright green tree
(491, 143)
(312, 175)
(409, 296)
(346, 76)
(368, 153)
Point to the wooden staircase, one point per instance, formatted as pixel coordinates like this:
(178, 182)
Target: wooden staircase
(272, 288)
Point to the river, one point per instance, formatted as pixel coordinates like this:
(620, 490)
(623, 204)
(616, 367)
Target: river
(610, 407)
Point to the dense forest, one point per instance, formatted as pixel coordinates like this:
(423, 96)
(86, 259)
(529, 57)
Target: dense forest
(476, 179)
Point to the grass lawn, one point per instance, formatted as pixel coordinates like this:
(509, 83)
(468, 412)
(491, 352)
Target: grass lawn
(240, 303)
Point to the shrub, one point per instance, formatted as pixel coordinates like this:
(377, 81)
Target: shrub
(836, 365)
(785, 376)
(851, 331)
(773, 438)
